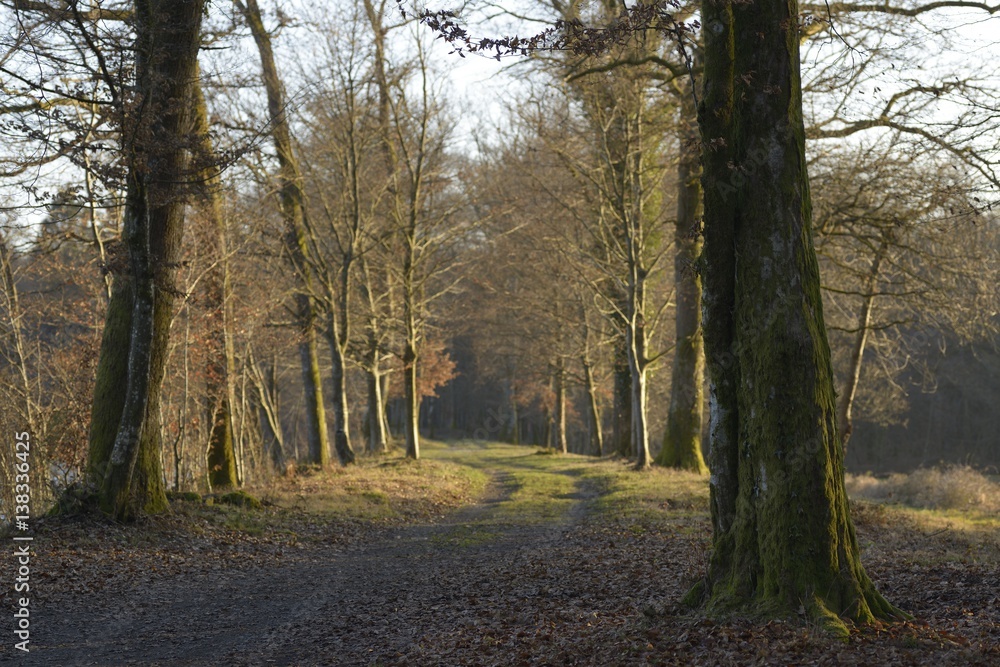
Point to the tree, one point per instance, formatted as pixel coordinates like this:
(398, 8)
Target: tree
(124, 459)
(221, 363)
(292, 203)
(682, 438)
(782, 534)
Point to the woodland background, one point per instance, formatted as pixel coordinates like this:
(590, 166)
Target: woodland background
(472, 226)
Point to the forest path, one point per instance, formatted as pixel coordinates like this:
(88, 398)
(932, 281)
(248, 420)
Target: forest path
(366, 605)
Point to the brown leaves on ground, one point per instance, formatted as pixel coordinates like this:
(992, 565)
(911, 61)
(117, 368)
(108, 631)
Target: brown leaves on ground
(599, 587)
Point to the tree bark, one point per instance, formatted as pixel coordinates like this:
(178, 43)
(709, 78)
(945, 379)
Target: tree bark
(221, 364)
(341, 410)
(783, 539)
(682, 439)
(597, 433)
(378, 442)
(621, 425)
(844, 421)
(411, 427)
(559, 381)
(293, 211)
(124, 455)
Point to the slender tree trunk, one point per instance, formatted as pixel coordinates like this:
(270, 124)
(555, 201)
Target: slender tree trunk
(265, 383)
(377, 439)
(637, 395)
(124, 457)
(293, 212)
(597, 434)
(682, 439)
(783, 539)
(412, 398)
(844, 421)
(621, 426)
(221, 365)
(559, 380)
(341, 413)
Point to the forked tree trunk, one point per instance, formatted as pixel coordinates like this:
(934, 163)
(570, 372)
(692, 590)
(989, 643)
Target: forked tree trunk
(682, 439)
(221, 365)
(783, 538)
(342, 434)
(124, 456)
(844, 421)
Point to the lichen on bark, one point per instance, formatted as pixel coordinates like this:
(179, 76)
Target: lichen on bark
(783, 540)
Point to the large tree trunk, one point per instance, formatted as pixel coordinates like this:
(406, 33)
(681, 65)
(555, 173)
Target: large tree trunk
(293, 212)
(221, 365)
(783, 538)
(682, 439)
(124, 456)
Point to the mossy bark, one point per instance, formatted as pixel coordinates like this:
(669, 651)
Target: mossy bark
(682, 439)
(783, 540)
(292, 201)
(221, 366)
(124, 456)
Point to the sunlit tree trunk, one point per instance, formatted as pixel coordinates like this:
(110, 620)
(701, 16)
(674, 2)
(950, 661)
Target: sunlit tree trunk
(338, 338)
(124, 456)
(783, 539)
(844, 407)
(559, 419)
(293, 211)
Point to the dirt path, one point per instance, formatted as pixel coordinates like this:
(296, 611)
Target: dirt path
(372, 604)
(563, 562)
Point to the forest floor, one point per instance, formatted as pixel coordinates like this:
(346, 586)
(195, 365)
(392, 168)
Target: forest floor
(479, 555)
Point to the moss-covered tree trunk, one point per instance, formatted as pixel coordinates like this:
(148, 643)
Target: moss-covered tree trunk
(221, 363)
(124, 456)
(783, 538)
(293, 211)
(682, 439)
